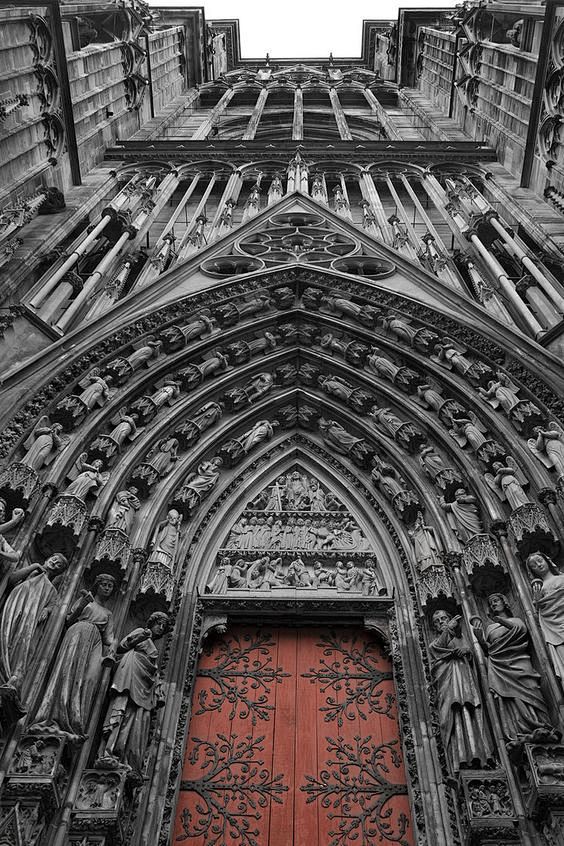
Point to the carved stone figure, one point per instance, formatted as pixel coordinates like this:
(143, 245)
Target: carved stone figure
(548, 597)
(501, 393)
(259, 386)
(451, 357)
(72, 410)
(194, 374)
(174, 338)
(338, 437)
(465, 515)
(120, 369)
(197, 486)
(32, 596)
(364, 314)
(234, 450)
(513, 681)
(548, 446)
(148, 406)
(67, 701)
(108, 446)
(429, 397)
(134, 693)
(122, 510)
(88, 479)
(507, 485)
(7, 552)
(158, 577)
(42, 445)
(426, 545)
(460, 711)
(468, 430)
(189, 433)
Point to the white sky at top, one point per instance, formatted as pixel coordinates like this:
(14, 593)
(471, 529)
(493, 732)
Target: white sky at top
(302, 28)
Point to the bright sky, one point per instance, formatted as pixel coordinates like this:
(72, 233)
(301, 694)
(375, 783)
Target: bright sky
(302, 28)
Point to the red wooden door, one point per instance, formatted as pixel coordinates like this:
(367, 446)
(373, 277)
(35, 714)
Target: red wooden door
(293, 741)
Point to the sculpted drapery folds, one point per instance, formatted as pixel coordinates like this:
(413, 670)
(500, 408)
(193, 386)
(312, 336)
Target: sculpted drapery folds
(511, 677)
(31, 599)
(134, 693)
(548, 597)
(159, 573)
(68, 698)
(460, 708)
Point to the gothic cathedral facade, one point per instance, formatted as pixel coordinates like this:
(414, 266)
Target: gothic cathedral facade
(281, 431)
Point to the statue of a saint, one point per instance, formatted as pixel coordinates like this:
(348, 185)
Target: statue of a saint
(465, 515)
(426, 545)
(70, 692)
(122, 510)
(548, 597)
(32, 596)
(513, 681)
(198, 485)
(135, 692)
(507, 485)
(159, 573)
(43, 445)
(87, 480)
(460, 711)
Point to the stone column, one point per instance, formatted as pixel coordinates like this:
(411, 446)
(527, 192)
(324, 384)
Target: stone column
(298, 122)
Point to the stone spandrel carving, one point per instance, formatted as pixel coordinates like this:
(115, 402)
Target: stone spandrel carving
(159, 576)
(31, 599)
(72, 410)
(548, 597)
(68, 698)
(512, 679)
(460, 706)
(134, 694)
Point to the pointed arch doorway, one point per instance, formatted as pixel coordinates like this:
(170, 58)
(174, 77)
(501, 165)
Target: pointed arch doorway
(293, 736)
(293, 741)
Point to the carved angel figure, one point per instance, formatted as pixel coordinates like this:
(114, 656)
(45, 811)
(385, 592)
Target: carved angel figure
(508, 483)
(43, 444)
(548, 446)
(135, 692)
(468, 430)
(501, 393)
